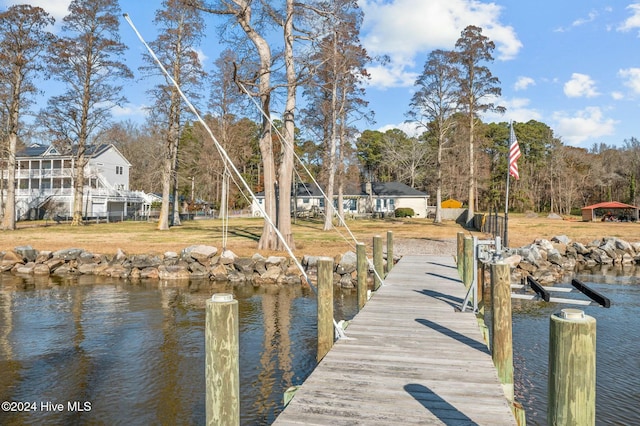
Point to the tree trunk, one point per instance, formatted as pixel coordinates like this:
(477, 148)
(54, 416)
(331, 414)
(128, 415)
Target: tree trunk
(331, 163)
(269, 238)
(163, 220)
(285, 172)
(471, 180)
(438, 215)
(9, 218)
(78, 187)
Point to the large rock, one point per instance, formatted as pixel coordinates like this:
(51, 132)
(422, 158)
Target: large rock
(176, 272)
(278, 261)
(310, 261)
(348, 263)
(245, 266)
(41, 269)
(561, 239)
(28, 253)
(27, 268)
(68, 254)
(219, 272)
(87, 268)
(201, 253)
(228, 257)
(9, 260)
(271, 276)
(144, 261)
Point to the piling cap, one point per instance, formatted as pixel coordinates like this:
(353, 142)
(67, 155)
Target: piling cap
(570, 314)
(222, 297)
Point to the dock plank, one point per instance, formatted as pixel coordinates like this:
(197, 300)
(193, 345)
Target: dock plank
(410, 357)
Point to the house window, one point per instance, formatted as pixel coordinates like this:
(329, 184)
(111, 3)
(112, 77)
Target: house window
(119, 170)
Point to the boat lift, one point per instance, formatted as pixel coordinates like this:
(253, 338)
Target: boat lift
(487, 251)
(544, 293)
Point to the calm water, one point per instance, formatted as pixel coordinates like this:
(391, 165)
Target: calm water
(617, 349)
(135, 352)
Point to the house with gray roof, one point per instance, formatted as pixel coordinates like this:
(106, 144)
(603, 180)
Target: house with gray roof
(377, 198)
(45, 179)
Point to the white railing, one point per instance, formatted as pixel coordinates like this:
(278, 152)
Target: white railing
(43, 192)
(41, 173)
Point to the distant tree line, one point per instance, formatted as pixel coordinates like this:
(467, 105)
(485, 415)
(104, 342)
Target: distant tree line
(317, 58)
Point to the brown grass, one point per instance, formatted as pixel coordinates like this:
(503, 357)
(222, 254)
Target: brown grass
(243, 235)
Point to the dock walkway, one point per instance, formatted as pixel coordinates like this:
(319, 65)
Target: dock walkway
(411, 358)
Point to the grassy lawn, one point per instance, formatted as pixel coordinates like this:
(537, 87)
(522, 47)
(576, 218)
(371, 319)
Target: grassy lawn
(244, 233)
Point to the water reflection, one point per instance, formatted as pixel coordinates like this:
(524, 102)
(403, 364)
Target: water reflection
(618, 345)
(135, 352)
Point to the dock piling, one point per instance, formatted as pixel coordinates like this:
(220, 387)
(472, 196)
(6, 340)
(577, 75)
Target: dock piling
(389, 251)
(377, 262)
(222, 372)
(362, 269)
(572, 369)
(460, 253)
(501, 334)
(325, 306)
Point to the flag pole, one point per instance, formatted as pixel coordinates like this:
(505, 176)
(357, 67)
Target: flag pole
(505, 240)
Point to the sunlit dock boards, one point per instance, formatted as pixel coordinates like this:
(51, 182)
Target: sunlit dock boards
(411, 358)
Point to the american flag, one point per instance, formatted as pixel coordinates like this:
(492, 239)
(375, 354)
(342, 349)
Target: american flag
(514, 154)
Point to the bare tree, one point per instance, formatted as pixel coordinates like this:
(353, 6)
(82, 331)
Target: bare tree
(181, 28)
(335, 88)
(23, 38)
(477, 87)
(241, 12)
(433, 106)
(87, 61)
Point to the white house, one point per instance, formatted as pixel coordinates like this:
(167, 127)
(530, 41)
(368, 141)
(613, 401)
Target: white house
(385, 197)
(45, 178)
(375, 197)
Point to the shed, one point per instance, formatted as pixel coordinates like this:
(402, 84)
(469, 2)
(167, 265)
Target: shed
(451, 204)
(610, 210)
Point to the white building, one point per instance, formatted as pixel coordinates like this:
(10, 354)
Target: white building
(45, 178)
(379, 198)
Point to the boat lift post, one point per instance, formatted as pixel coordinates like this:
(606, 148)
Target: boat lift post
(484, 251)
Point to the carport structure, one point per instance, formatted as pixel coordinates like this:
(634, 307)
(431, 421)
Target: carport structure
(610, 210)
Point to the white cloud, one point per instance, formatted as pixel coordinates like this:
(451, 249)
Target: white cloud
(130, 111)
(392, 75)
(617, 96)
(523, 83)
(431, 25)
(56, 8)
(634, 20)
(410, 128)
(631, 77)
(580, 85)
(586, 124)
(582, 21)
(202, 57)
(518, 109)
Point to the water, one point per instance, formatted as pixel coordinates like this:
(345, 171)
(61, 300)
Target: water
(134, 354)
(617, 349)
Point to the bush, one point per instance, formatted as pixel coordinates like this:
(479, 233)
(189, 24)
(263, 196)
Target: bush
(404, 212)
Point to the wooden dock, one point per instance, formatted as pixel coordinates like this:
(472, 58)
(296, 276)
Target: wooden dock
(411, 358)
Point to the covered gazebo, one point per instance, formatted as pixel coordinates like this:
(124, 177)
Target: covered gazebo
(610, 210)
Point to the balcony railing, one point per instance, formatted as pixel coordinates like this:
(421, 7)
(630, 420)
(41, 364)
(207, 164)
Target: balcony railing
(42, 173)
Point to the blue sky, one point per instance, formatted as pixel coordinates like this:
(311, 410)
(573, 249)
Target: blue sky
(572, 64)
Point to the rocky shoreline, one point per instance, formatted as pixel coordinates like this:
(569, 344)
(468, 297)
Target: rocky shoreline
(193, 262)
(545, 260)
